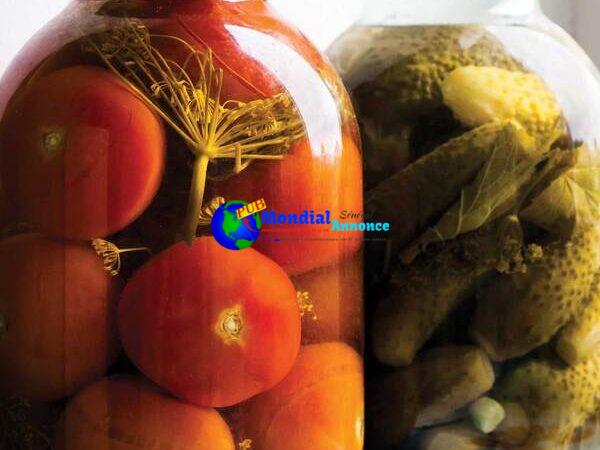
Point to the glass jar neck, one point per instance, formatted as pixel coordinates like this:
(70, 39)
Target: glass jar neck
(163, 4)
(411, 12)
(162, 8)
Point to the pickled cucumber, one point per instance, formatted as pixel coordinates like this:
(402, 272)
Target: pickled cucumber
(479, 95)
(411, 86)
(413, 198)
(580, 339)
(430, 392)
(588, 435)
(421, 296)
(386, 152)
(519, 312)
(455, 437)
(514, 430)
(557, 399)
(515, 167)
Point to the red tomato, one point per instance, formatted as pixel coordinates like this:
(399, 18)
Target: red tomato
(212, 326)
(124, 413)
(82, 157)
(58, 310)
(232, 30)
(306, 179)
(7, 216)
(333, 302)
(318, 406)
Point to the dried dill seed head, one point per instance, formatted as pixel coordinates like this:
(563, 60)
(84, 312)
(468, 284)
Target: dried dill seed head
(246, 444)
(212, 128)
(209, 210)
(111, 255)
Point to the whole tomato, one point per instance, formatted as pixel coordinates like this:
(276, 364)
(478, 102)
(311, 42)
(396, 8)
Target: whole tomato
(82, 156)
(212, 326)
(235, 33)
(58, 317)
(318, 406)
(126, 413)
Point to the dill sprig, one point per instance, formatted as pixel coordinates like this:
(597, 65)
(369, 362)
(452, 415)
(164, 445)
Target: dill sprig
(192, 106)
(306, 305)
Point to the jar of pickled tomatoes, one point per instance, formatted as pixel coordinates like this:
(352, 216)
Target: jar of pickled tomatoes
(171, 173)
(480, 122)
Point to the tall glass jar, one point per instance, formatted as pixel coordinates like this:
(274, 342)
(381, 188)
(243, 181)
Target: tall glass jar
(171, 171)
(480, 122)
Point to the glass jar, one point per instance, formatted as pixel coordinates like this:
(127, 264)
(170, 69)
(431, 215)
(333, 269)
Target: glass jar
(480, 122)
(145, 146)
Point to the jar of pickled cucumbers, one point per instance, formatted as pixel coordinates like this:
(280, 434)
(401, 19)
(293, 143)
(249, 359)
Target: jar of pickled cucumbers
(170, 171)
(480, 122)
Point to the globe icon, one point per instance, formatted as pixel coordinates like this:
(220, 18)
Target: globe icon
(234, 233)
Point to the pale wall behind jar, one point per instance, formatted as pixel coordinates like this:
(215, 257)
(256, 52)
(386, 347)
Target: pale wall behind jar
(581, 18)
(321, 20)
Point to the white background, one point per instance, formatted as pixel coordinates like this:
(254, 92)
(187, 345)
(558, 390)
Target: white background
(321, 20)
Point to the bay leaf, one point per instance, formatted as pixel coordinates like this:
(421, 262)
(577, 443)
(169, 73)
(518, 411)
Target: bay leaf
(497, 190)
(571, 201)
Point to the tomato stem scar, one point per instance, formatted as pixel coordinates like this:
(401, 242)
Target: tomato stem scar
(52, 143)
(230, 325)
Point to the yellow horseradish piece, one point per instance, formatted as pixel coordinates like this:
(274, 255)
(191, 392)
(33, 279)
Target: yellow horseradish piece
(411, 85)
(480, 95)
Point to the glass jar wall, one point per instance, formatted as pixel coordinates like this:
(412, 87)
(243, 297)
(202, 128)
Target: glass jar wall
(169, 174)
(480, 122)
